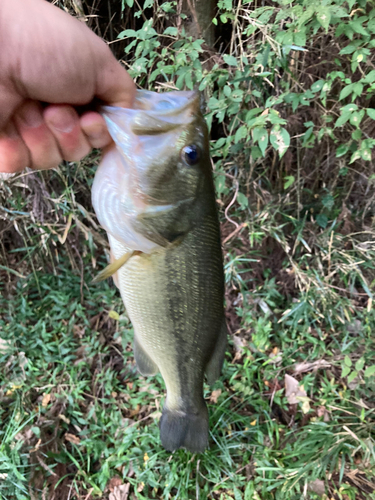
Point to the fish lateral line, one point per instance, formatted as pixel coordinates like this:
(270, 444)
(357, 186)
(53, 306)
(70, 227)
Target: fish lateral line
(112, 268)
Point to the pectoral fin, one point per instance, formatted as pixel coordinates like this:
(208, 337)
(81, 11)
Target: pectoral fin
(165, 226)
(145, 364)
(113, 267)
(213, 368)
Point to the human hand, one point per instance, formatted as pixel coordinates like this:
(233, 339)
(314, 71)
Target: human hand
(49, 57)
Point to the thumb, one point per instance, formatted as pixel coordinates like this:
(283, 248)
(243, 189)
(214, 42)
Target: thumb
(115, 86)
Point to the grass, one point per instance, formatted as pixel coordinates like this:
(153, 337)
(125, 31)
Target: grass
(76, 419)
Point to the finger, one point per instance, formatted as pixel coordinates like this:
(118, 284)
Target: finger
(40, 141)
(14, 155)
(9, 101)
(63, 122)
(95, 129)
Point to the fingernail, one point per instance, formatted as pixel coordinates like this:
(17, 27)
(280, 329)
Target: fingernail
(62, 120)
(31, 116)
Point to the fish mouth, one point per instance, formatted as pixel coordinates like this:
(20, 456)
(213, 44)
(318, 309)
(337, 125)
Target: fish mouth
(166, 104)
(155, 114)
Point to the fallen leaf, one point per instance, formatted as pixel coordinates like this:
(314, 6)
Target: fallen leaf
(120, 492)
(276, 355)
(135, 412)
(114, 315)
(64, 418)
(5, 346)
(140, 487)
(293, 391)
(114, 482)
(214, 396)
(36, 446)
(72, 438)
(317, 487)
(323, 412)
(306, 366)
(305, 404)
(239, 344)
(46, 399)
(79, 331)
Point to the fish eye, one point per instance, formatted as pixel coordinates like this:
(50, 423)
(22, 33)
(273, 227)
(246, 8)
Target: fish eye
(190, 154)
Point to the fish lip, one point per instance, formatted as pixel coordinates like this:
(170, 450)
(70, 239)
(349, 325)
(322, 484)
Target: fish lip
(193, 99)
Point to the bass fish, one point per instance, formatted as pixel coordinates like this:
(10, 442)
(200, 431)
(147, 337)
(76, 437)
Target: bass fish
(154, 195)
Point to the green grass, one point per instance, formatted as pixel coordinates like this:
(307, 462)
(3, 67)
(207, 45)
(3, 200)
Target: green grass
(74, 413)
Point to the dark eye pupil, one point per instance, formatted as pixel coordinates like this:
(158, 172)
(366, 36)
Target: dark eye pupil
(190, 154)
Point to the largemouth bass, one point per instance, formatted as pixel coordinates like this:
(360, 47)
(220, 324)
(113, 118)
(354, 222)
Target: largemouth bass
(154, 195)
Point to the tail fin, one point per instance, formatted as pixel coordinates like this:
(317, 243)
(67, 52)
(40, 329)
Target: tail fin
(184, 430)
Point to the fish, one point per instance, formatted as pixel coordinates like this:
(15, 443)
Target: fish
(154, 195)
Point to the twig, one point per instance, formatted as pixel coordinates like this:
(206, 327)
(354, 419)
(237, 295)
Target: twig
(231, 203)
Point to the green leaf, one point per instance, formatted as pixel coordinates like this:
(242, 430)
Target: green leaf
(324, 17)
(227, 91)
(346, 91)
(370, 77)
(370, 371)
(371, 113)
(357, 89)
(127, 33)
(36, 431)
(328, 201)
(341, 150)
(357, 134)
(349, 108)
(230, 60)
(355, 156)
(256, 153)
(260, 135)
(360, 364)
(280, 139)
(249, 491)
(356, 118)
(366, 154)
(347, 361)
(352, 376)
(171, 30)
(241, 133)
(345, 371)
(237, 494)
(356, 26)
(315, 87)
(220, 186)
(242, 200)
(342, 119)
(288, 181)
(349, 49)
(322, 220)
